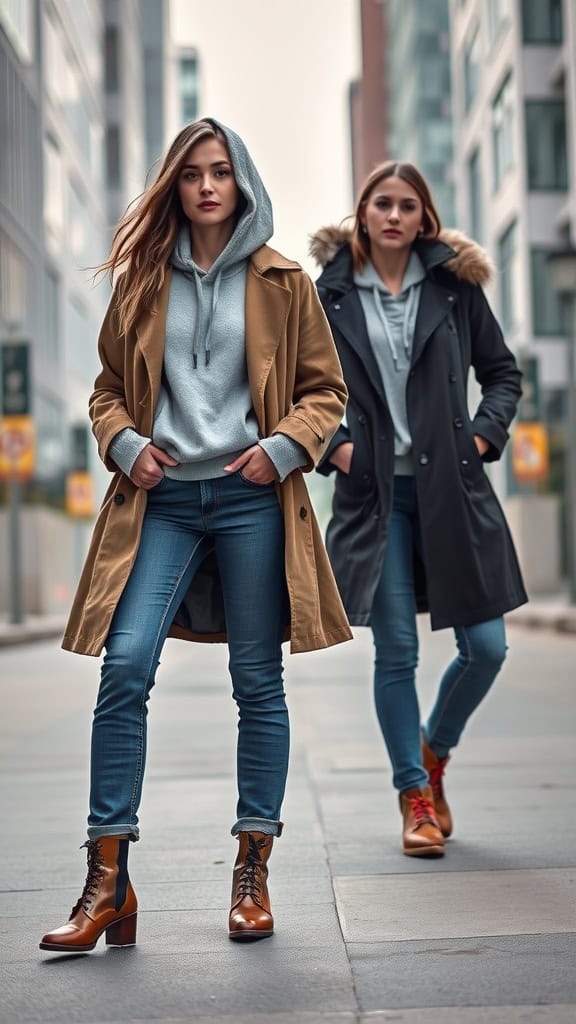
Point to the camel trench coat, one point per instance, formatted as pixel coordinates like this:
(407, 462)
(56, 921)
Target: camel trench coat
(297, 389)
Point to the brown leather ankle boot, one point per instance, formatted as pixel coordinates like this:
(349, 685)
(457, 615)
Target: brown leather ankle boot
(107, 904)
(250, 913)
(421, 834)
(436, 766)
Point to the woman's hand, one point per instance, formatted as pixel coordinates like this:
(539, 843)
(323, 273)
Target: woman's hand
(255, 465)
(482, 444)
(341, 457)
(147, 471)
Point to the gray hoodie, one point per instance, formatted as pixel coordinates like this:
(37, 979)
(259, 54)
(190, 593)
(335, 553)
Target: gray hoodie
(390, 321)
(204, 416)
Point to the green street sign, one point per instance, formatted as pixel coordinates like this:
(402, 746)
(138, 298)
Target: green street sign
(15, 378)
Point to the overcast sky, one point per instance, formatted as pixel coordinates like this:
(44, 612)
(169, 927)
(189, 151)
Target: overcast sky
(277, 72)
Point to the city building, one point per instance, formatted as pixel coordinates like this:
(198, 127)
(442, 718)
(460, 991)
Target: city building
(419, 93)
(80, 125)
(514, 77)
(368, 94)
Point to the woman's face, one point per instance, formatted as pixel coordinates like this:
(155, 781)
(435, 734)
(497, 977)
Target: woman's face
(392, 215)
(206, 185)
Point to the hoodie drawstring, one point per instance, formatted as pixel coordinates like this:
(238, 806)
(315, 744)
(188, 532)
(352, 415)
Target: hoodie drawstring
(198, 329)
(409, 308)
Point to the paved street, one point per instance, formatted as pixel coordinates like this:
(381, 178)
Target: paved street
(486, 936)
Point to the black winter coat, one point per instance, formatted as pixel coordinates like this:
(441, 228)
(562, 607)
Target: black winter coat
(470, 572)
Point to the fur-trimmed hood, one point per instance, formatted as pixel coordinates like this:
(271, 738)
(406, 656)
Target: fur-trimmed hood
(469, 261)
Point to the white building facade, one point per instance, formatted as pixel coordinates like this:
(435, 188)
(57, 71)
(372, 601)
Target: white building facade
(514, 107)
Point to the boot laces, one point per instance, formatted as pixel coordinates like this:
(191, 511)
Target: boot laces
(94, 876)
(435, 775)
(422, 810)
(250, 877)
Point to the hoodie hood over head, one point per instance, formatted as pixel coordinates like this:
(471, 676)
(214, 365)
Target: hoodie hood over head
(253, 229)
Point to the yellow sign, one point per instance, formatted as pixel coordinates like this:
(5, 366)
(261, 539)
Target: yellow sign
(17, 447)
(530, 452)
(79, 495)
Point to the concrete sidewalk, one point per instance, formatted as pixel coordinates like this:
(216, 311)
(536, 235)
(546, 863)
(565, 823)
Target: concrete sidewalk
(487, 935)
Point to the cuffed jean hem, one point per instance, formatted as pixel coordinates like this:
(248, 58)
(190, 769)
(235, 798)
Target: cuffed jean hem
(266, 825)
(97, 831)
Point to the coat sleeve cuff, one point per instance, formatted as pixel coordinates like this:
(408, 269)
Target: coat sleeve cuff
(125, 448)
(496, 436)
(286, 454)
(342, 435)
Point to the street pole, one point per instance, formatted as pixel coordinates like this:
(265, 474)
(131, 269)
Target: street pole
(14, 505)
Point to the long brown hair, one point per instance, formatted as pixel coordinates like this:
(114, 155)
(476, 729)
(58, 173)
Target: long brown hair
(146, 234)
(360, 242)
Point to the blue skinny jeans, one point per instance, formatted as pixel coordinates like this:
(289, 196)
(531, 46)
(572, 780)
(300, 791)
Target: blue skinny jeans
(185, 520)
(466, 681)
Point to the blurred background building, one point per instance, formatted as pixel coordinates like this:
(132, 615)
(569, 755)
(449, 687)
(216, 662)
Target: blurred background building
(84, 101)
(514, 108)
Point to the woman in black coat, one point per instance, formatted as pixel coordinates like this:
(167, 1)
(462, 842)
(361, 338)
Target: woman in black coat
(416, 524)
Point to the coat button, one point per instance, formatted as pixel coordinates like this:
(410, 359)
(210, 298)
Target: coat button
(362, 419)
(336, 305)
(119, 499)
(382, 437)
(450, 298)
(464, 462)
(423, 459)
(303, 512)
(366, 476)
(452, 378)
(458, 422)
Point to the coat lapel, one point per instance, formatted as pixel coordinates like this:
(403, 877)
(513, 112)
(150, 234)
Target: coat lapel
(267, 309)
(436, 303)
(346, 314)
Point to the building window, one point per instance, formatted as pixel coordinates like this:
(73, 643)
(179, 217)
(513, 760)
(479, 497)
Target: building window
(113, 159)
(475, 195)
(546, 145)
(111, 59)
(507, 263)
(498, 18)
(51, 333)
(471, 68)
(547, 313)
(542, 21)
(189, 88)
(13, 284)
(503, 131)
(54, 186)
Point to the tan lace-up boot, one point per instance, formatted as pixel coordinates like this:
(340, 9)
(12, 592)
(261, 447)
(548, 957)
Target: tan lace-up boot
(421, 835)
(250, 913)
(107, 904)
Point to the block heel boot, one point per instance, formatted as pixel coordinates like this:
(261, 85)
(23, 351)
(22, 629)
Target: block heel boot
(107, 904)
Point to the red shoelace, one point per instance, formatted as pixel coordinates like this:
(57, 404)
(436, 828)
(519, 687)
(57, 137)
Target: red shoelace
(423, 811)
